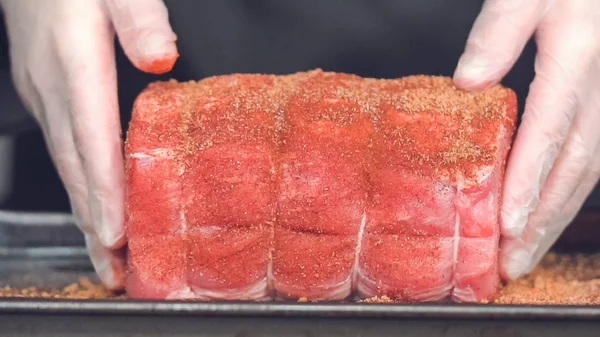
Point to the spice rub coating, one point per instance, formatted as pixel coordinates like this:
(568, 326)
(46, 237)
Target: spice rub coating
(275, 159)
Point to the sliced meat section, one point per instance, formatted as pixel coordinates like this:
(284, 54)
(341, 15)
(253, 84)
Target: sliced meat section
(478, 206)
(201, 171)
(156, 249)
(432, 219)
(408, 247)
(323, 190)
(229, 186)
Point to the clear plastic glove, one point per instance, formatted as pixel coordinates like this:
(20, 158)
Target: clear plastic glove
(555, 160)
(63, 65)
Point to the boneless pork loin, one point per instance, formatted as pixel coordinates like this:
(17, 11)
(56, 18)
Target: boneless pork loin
(316, 185)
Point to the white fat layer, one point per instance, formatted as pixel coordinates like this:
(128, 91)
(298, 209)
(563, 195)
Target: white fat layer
(432, 294)
(158, 153)
(182, 221)
(270, 279)
(355, 267)
(368, 287)
(181, 294)
(455, 242)
(334, 292)
(255, 291)
(464, 295)
(206, 230)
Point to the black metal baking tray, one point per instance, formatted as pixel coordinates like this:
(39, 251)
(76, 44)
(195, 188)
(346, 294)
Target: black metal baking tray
(46, 250)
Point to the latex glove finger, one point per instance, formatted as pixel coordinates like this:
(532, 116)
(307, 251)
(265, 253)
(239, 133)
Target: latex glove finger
(565, 52)
(572, 207)
(91, 78)
(554, 212)
(496, 40)
(61, 145)
(145, 33)
(52, 111)
(519, 256)
(41, 92)
(109, 264)
(570, 180)
(39, 80)
(47, 64)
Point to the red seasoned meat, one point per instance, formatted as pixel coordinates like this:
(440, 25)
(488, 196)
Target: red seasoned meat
(316, 185)
(322, 192)
(435, 169)
(202, 196)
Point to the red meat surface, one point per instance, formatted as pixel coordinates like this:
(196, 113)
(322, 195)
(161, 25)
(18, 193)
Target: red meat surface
(318, 185)
(322, 191)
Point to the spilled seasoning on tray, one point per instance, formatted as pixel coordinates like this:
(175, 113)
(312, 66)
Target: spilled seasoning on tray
(559, 279)
(84, 289)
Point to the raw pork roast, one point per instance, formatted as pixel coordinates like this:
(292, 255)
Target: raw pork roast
(316, 185)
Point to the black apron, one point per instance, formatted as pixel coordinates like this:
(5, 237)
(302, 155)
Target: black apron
(385, 38)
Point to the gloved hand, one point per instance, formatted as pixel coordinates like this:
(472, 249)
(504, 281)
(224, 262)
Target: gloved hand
(63, 66)
(555, 160)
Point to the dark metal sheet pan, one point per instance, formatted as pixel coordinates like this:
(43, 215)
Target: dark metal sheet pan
(48, 253)
(134, 318)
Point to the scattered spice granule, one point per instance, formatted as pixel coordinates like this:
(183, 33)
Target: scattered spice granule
(559, 279)
(306, 300)
(377, 299)
(84, 289)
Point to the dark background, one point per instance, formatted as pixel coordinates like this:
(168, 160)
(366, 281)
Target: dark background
(370, 38)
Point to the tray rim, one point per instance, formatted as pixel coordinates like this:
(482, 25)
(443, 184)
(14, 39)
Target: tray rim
(299, 310)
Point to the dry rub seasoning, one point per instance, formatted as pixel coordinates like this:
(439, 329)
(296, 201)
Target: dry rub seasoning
(84, 289)
(559, 279)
